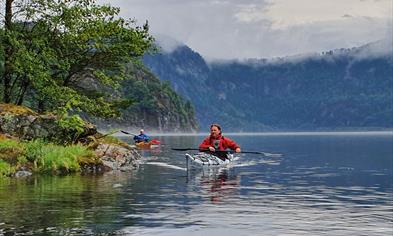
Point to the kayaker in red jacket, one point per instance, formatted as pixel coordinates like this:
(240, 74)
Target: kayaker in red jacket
(215, 141)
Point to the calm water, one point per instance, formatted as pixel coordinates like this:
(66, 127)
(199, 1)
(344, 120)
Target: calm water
(325, 184)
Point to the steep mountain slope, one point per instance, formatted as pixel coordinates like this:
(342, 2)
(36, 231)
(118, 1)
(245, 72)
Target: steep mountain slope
(188, 73)
(155, 105)
(340, 89)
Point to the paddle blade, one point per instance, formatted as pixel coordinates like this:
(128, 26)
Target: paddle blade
(155, 141)
(272, 154)
(185, 149)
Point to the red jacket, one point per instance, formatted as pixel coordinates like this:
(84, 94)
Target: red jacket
(223, 143)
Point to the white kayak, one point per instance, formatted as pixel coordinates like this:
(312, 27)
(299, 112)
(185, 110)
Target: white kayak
(207, 159)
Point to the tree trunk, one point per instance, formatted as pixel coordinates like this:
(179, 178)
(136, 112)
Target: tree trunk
(23, 88)
(8, 53)
(41, 106)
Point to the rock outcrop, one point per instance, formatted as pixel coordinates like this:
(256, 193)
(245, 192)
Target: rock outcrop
(17, 122)
(117, 157)
(25, 124)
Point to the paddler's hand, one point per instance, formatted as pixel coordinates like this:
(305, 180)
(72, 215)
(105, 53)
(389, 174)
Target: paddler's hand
(237, 150)
(212, 149)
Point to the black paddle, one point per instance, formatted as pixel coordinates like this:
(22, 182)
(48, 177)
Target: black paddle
(125, 132)
(219, 151)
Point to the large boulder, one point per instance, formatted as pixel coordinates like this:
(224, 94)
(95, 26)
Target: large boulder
(115, 157)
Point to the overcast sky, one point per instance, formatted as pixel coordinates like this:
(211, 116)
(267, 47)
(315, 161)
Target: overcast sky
(238, 29)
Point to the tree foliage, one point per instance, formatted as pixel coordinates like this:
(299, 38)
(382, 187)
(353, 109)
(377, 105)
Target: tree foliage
(54, 52)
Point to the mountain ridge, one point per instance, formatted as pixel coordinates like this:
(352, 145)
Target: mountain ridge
(336, 89)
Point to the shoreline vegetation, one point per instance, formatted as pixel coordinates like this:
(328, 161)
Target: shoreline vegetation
(65, 59)
(36, 147)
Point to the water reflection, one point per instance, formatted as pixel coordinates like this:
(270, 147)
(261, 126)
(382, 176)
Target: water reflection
(218, 184)
(44, 205)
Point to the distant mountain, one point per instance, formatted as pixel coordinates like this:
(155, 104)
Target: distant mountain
(188, 74)
(338, 89)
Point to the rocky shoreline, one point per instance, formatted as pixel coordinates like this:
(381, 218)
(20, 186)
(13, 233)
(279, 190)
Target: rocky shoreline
(22, 124)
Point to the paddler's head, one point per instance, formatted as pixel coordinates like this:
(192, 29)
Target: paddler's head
(215, 130)
(141, 131)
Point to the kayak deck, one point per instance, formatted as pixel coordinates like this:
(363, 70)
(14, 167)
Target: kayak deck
(144, 145)
(207, 159)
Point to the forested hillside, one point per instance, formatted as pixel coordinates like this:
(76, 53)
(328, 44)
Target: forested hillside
(154, 105)
(340, 89)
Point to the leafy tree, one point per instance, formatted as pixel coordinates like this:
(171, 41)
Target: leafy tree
(63, 54)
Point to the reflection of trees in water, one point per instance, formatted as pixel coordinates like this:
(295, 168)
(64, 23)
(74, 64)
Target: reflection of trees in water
(219, 183)
(59, 203)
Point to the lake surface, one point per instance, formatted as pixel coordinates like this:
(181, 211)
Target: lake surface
(325, 184)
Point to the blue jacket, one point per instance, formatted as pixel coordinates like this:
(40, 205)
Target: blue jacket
(141, 138)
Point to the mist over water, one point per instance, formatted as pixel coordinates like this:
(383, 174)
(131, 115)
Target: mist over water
(325, 184)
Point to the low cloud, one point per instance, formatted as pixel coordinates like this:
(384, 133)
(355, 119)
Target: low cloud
(167, 43)
(229, 29)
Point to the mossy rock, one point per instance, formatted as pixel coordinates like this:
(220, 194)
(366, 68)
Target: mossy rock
(25, 124)
(15, 110)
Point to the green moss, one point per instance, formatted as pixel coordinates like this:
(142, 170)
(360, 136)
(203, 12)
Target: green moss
(14, 109)
(115, 141)
(94, 140)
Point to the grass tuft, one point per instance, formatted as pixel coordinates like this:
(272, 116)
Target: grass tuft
(6, 169)
(40, 156)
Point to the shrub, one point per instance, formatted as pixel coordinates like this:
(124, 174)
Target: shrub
(73, 126)
(34, 149)
(5, 169)
(10, 150)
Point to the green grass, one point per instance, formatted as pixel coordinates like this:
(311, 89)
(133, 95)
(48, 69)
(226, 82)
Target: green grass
(8, 144)
(5, 169)
(10, 150)
(62, 159)
(40, 156)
